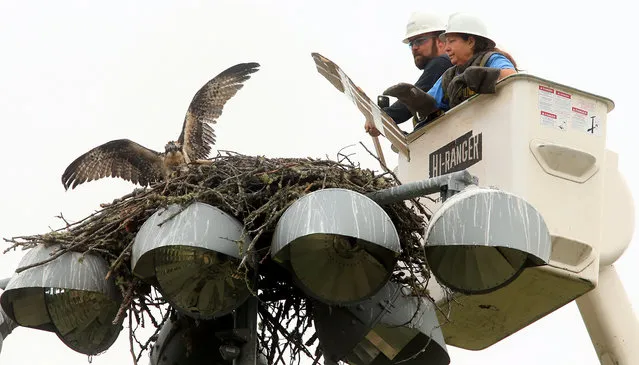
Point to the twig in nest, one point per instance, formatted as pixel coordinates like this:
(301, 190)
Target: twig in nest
(154, 336)
(418, 205)
(63, 219)
(341, 157)
(117, 261)
(265, 313)
(51, 258)
(132, 350)
(128, 298)
(382, 164)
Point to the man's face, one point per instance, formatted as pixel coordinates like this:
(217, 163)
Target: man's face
(424, 48)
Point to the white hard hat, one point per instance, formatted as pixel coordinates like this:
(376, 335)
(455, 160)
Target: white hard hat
(468, 24)
(420, 23)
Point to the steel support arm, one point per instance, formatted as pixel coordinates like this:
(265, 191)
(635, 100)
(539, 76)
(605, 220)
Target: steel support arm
(610, 321)
(453, 182)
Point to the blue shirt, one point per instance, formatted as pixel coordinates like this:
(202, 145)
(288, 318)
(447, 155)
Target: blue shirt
(495, 61)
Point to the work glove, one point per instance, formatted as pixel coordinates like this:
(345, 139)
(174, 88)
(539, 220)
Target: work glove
(419, 103)
(481, 80)
(456, 90)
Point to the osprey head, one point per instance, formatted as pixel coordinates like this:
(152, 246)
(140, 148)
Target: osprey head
(172, 146)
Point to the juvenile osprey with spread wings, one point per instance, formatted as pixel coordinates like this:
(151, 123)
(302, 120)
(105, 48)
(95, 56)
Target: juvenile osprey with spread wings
(131, 161)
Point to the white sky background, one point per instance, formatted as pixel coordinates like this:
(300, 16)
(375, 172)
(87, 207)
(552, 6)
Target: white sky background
(74, 75)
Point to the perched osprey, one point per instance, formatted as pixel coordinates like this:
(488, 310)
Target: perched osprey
(133, 162)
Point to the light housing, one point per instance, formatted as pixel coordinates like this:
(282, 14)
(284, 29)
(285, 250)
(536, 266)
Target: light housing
(221, 341)
(178, 333)
(191, 256)
(340, 245)
(392, 327)
(68, 296)
(481, 239)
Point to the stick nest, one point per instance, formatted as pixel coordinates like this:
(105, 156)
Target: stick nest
(256, 191)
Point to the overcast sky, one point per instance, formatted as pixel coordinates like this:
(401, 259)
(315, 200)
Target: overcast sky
(76, 74)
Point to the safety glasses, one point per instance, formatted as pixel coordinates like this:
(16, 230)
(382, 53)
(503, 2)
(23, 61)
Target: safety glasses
(419, 41)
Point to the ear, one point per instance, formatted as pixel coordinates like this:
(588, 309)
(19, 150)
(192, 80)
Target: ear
(471, 41)
(441, 45)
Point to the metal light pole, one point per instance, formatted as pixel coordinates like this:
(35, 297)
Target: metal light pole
(245, 317)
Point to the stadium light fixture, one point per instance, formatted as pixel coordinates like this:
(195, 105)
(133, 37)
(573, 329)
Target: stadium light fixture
(68, 296)
(191, 255)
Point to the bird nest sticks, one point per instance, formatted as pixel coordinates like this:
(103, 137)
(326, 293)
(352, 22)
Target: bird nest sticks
(255, 190)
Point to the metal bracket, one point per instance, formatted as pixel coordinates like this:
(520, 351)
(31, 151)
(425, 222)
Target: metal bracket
(238, 336)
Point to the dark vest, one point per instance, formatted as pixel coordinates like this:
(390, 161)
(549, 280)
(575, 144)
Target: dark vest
(478, 59)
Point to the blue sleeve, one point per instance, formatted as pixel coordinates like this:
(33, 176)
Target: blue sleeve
(499, 61)
(437, 92)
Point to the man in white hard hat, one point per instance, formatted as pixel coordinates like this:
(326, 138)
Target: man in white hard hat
(422, 36)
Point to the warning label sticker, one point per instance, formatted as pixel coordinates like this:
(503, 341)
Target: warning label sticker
(552, 120)
(552, 108)
(546, 98)
(566, 111)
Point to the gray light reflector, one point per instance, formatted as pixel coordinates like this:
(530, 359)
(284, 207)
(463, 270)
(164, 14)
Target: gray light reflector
(340, 245)
(392, 327)
(481, 239)
(191, 254)
(68, 296)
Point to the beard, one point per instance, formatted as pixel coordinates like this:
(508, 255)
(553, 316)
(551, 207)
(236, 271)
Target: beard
(421, 60)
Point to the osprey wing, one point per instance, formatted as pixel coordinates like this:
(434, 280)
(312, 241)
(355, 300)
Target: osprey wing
(121, 158)
(197, 134)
